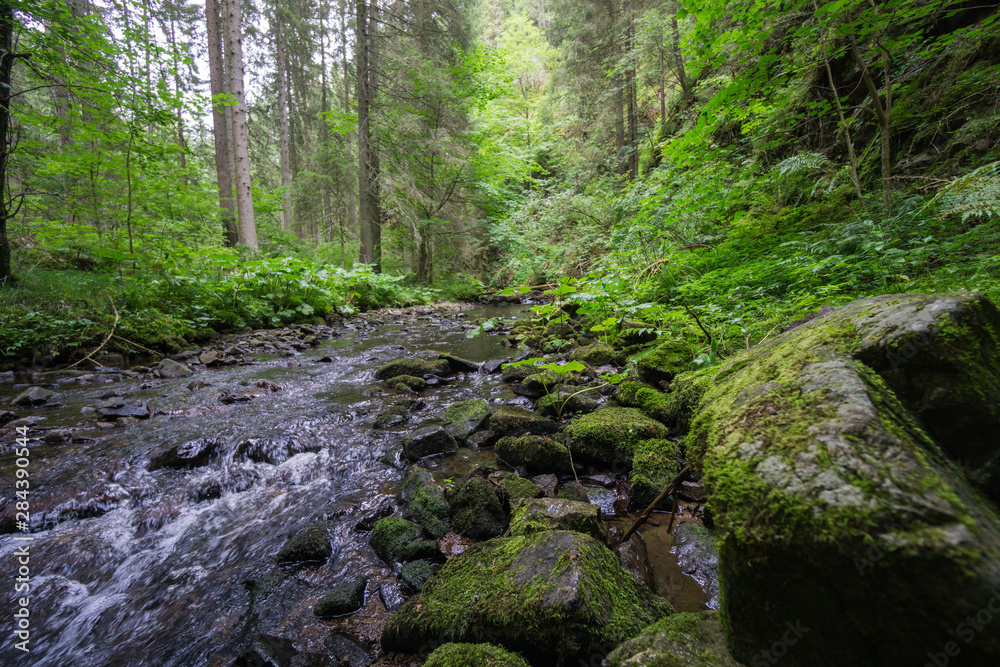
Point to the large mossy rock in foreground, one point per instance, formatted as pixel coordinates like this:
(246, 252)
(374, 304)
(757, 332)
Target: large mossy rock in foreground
(837, 512)
(554, 597)
(473, 655)
(680, 640)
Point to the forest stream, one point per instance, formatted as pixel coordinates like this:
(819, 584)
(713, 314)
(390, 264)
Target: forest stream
(141, 555)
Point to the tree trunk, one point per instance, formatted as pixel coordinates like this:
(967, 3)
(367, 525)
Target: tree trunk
(286, 169)
(7, 57)
(368, 191)
(632, 102)
(246, 229)
(679, 58)
(352, 206)
(180, 101)
(882, 115)
(220, 128)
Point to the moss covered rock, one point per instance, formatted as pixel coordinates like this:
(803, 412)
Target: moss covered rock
(667, 359)
(536, 453)
(680, 640)
(555, 597)
(393, 415)
(562, 403)
(541, 383)
(341, 600)
(533, 515)
(416, 573)
(516, 373)
(476, 509)
(473, 655)
(463, 418)
(429, 441)
(391, 537)
(458, 364)
(413, 367)
(652, 402)
(425, 502)
(309, 545)
(654, 464)
(611, 435)
(512, 420)
(833, 504)
(597, 354)
(403, 382)
(514, 487)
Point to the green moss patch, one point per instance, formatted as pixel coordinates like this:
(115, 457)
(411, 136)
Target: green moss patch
(473, 655)
(534, 452)
(654, 464)
(680, 640)
(391, 536)
(611, 435)
(665, 361)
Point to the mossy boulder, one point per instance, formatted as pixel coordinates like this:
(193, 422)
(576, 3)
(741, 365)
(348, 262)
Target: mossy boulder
(514, 487)
(341, 600)
(416, 573)
(558, 330)
(413, 367)
(597, 354)
(458, 364)
(473, 655)
(680, 640)
(404, 382)
(541, 383)
(835, 508)
(611, 435)
(536, 453)
(516, 373)
(632, 332)
(425, 502)
(563, 403)
(309, 545)
(476, 509)
(555, 597)
(667, 359)
(654, 464)
(393, 415)
(429, 441)
(574, 491)
(652, 402)
(465, 417)
(512, 420)
(391, 537)
(533, 515)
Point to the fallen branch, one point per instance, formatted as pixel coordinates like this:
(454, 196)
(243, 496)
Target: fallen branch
(134, 344)
(111, 333)
(671, 487)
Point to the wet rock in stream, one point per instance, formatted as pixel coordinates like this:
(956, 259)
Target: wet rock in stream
(309, 545)
(429, 441)
(342, 599)
(33, 396)
(476, 508)
(190, 454)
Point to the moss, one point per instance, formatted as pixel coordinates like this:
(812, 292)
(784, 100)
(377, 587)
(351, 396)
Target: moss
(341, 600)
(667, 359)
(412, 367)
(561, 404)
(611, 435)
(394, 414)
(654, 464)
(473, 655)
(510, 419)
(542, 514)
(464, 417)
(514, 487)
(476, 510)
(534, 452)
(409, 382)
(553, 596)
(430, 510)
(416, 573)
(653, 403)
(541, 383)
(310, 545)
(391, 536)
(597, 354)
(516, 373)
(680, 640)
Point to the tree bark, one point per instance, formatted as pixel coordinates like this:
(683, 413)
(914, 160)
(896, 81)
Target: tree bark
(882, 115)
(220, 127)
(247, 228)
(631, 101)
(286, 169)
(7, 57)
(352, 206)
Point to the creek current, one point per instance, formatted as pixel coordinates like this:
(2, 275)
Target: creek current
(135, 562)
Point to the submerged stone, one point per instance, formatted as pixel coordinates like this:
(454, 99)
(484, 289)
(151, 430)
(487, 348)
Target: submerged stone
(569, 594)
(473, 655)
(192, 454)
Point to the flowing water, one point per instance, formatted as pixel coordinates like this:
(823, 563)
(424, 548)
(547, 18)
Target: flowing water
(133, 564)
